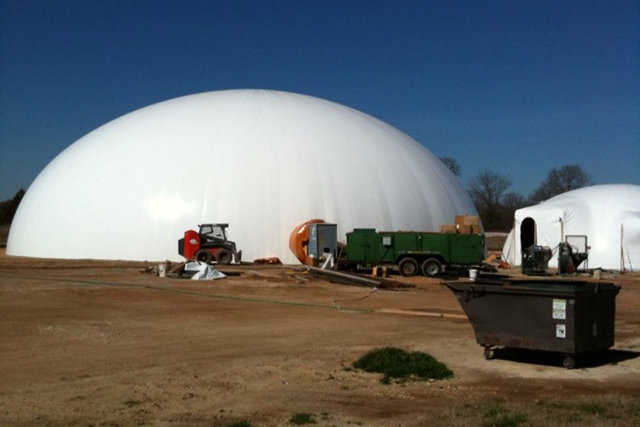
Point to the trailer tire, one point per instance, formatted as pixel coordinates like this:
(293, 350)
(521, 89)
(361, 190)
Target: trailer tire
(569, 362)
(408, 267)
(489, 353)
(223, 257)
(431, 267)
(203, 255)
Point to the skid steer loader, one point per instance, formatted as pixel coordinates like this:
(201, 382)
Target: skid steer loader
(209, 244)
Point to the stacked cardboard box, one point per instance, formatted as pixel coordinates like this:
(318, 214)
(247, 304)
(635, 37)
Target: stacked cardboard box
(469, 224)
(448, 228)
(464, 224)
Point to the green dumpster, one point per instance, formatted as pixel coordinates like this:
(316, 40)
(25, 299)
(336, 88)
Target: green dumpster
(565, 316)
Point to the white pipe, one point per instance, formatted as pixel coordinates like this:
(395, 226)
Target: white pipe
(621, 248)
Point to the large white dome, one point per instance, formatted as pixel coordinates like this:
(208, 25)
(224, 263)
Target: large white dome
(261, 160)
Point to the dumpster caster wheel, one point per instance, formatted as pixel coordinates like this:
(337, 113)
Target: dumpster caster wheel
(569, 362)
(489, 353)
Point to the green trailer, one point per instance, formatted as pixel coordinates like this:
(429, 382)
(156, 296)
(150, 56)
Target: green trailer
(413, 251)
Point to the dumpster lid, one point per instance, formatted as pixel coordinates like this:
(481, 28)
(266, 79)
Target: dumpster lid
(560, 285)
(538, 286)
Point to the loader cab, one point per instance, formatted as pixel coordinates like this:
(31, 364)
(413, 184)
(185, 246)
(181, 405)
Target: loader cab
(213, 231)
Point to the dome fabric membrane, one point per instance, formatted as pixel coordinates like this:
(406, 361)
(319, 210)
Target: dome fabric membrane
(609, 215)
(262, 161)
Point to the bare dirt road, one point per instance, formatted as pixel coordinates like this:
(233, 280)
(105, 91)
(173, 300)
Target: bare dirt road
(101, 343)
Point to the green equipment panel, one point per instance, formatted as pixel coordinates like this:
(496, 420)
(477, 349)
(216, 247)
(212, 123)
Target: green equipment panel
(365, 246)
(466, 248)
(363, 243)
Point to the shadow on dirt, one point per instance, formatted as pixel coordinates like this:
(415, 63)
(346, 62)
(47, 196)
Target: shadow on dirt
(588, 360)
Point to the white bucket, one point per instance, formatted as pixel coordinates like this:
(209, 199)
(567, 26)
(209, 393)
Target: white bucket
(162, 270)
(473, 274)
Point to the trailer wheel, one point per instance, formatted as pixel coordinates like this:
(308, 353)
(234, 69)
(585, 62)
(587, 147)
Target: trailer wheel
(489, 353)
(203, 255)
(408, 267)
(431, 267)
(569, 362)
(223, 257)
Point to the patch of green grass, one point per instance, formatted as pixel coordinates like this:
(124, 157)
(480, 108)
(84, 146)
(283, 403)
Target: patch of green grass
(243, 423)
(592, 409)
(302, 418)
(581, 408)
(498, 416)
(555, 405)
(400, 364)
(570, 418)
(635, 410)
(507, 420)
(582, 411)
(494, 410)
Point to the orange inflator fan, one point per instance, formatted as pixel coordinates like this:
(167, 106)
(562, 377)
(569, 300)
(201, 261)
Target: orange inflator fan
(299, 241)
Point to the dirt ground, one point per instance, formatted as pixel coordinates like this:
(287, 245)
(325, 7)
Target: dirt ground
(102, 343)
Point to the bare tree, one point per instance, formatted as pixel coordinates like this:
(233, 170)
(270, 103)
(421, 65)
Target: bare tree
(560, 180)
(513, 201)
(8, 207)
(487, 190)
(452, 164)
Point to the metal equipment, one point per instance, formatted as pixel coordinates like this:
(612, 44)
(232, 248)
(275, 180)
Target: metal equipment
(314, 241)
(209, 243)
(323, 241)
(412, 251)
(535, 260)
(571, 253)
(564, 316)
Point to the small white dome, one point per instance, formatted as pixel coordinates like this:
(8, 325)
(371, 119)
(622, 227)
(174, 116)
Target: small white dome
(609, 215)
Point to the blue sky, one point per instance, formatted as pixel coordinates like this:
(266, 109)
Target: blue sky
(515, 87)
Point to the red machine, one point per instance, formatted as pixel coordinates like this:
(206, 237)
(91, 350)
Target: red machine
(208, 244)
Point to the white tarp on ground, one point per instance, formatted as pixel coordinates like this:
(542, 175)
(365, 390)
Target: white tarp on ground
(609, 215)
(203, 271)
(262, 161)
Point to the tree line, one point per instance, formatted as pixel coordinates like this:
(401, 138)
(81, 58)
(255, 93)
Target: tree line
(496, 205)
(8, 207)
